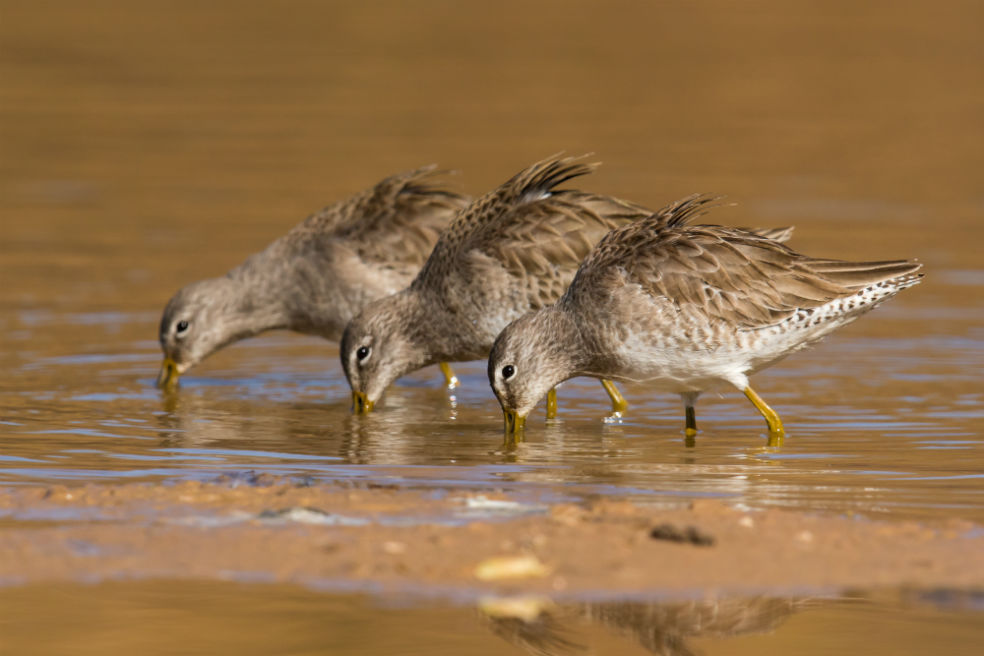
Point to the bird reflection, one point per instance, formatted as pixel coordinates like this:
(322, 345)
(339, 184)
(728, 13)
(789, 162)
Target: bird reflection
(231, 417)
(542, 628)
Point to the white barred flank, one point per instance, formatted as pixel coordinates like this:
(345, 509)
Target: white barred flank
(847, 308)
(807, 326)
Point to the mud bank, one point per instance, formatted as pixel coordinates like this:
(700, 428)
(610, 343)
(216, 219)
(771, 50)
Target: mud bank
(392, 538)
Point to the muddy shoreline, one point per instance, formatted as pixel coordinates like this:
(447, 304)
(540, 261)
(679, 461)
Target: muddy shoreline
(392, 539)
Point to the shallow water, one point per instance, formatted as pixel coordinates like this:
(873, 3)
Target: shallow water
(177, 617)
(889, 446)
(143, 148)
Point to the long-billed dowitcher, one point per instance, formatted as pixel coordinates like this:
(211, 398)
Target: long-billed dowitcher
(683, 307)
(513, 250)
(318, 276)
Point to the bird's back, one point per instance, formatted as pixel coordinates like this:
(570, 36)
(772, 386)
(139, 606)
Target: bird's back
(706, 288)
(516, 248)
(393, 224)
(357, 250)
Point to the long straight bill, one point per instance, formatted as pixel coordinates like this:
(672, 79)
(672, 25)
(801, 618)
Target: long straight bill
(167, 379)
(361, 405)
(514, 424)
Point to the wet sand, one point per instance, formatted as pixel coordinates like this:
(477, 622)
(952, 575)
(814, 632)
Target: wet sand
(465, 544)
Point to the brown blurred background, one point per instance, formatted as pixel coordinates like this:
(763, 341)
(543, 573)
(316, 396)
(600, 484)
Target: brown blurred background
(147, 144)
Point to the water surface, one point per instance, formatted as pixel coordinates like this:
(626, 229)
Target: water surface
(177, 617)
(146, 146)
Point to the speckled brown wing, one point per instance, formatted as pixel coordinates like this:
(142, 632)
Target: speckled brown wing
(527, 230)
(541, 244)
(396, 222)
(727, 274)
(782, 234)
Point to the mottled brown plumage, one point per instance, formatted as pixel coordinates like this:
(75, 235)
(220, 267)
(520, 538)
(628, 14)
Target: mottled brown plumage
(683, 307)
(318, 276)
(513, 250)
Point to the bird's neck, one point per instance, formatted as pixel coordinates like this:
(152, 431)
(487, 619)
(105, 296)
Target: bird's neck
(255, 298)
(425, 343)
(442, 332)
(569, 350)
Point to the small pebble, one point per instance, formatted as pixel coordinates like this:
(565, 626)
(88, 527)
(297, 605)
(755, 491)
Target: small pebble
(526, 609)
(689, 535)
(510, 567)
(394, 548)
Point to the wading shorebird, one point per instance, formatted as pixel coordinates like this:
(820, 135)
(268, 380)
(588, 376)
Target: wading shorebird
(513, 250)
(682, 308)
(315, 278)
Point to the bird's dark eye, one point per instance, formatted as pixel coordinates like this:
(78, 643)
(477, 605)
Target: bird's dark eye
(508, 371)
(362, 353)
(181, 327)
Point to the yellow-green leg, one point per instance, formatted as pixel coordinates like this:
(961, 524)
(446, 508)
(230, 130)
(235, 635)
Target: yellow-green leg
(776, 432)
(619, 404)
(690, 429)
(449, 377)
(552, 403)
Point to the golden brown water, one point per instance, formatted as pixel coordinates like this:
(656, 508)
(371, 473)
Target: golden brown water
(147, 146)
(160, 618)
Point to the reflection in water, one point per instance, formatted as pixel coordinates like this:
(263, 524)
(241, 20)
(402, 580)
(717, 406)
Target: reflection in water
(539, 627)
(533, 624)
(158, 617)
(291, 415)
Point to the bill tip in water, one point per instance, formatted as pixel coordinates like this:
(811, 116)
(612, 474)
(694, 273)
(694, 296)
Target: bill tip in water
(514, 422)
(168, 377)
(361, 405)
